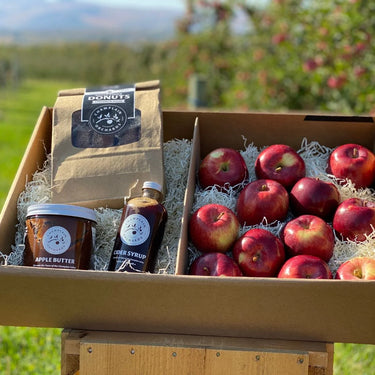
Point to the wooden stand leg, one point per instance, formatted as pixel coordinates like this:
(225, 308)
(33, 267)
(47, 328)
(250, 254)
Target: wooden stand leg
(112, 353)
(70, 343)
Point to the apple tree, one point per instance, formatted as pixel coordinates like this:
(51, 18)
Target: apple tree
(312, 55)
(282, 54)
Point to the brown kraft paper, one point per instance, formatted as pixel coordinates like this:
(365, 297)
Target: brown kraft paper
(97, 161)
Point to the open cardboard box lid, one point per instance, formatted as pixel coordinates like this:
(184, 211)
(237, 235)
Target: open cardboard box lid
(308, 310)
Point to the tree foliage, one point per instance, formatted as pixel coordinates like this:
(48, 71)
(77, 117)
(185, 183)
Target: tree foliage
(285, 55)
(296, 55)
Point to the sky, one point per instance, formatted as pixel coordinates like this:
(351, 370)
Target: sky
(171, 4)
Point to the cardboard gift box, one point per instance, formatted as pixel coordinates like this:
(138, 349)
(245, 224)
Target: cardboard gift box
(267, 308)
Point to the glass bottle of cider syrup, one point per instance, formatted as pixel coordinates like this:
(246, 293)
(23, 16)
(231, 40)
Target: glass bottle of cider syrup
(140, 232)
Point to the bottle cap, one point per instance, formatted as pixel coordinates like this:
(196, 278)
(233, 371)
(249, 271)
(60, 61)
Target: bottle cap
(152, 185)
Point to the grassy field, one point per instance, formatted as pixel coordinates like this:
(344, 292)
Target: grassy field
(26, 350)
(19, 111)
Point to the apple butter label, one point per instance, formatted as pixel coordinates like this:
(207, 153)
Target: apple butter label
(54, 262)
(135, 230)
(108, 118)
(56, 240)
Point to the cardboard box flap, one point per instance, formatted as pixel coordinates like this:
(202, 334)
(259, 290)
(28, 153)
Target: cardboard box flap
(264, 129)
(307, 310)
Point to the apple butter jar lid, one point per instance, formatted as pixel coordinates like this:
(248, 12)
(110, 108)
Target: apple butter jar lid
(61, 209)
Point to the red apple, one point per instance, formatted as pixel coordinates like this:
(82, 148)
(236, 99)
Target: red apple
(215, 264)
(314, 197)
(213, 228)
(358, 268)
(259, 253)
(309, 235)
(281, 163)
(354, 219)
(262, 199)
(354, 162)
(336, 82)
(222, 166)
(305, 267)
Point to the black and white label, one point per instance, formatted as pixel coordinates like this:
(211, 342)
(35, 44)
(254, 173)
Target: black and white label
(108, 118)
(135, 230)
(56, 240)
(107, 109)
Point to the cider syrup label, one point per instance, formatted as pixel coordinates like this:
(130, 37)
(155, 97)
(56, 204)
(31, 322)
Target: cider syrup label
(135, 230)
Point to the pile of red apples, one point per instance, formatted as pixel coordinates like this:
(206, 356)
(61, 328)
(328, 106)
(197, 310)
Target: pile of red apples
(312, 213)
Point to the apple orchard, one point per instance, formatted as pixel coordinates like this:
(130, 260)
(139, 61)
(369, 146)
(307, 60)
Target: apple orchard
(280, 212)
(292, 55)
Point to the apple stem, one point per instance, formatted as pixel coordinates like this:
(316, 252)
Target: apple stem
(358, 273)
(224, 168)
(221, 214)
(355, 152)
(278, 169)
(264, 187)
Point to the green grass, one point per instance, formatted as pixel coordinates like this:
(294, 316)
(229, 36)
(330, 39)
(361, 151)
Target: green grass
(353, 359)
(19, 111)
(26, 350)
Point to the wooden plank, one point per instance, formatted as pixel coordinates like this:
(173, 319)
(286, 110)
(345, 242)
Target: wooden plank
(70, 344)
(224, 362)
(109, 359)
(101, 352)
(116, 359)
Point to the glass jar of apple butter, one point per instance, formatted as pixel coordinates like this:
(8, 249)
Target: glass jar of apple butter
(59, 236)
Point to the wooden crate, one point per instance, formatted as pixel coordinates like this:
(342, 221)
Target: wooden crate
(112, 353)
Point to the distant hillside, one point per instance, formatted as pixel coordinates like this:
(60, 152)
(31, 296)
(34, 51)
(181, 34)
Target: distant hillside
(23, 21)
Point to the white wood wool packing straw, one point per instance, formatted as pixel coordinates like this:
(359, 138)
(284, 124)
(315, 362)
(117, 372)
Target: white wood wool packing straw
(176, 159)
(177, 154)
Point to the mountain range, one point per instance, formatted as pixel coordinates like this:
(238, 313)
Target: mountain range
(25, 21)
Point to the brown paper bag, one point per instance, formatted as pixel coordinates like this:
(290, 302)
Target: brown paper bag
(105, 141)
